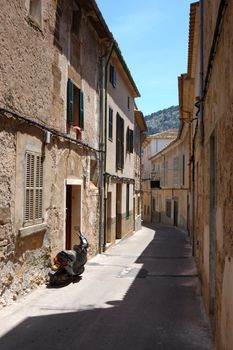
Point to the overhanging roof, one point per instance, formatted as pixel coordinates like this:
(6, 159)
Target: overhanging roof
(140, 120)
(101, 28)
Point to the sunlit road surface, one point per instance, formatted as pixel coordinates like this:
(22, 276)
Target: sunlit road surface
(142, 293)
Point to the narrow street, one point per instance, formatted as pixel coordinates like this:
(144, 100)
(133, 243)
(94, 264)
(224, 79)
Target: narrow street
(142, 294)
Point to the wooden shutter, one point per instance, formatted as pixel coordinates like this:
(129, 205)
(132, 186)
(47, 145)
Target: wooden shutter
(110, 123)
(127, 201)
(81, 109)
(70, 102)
(127, 140)
(34, 188)
(39, 187)
(118, 141)
(122, 143)
(131, 141)
(29, 200)
(112, 75)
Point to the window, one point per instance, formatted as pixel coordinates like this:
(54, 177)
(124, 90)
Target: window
(183, 170)
(75, 106)
(139, 206)
(128, 103)
(112, 75)
(127, 201)
(162, 176)
(168, 208)
(166, 173)
(33, 188)
(129, 138)
(119, 142)
(153, 204)
(176, 171)
(35, 9)
(110, 123)
(76, 20)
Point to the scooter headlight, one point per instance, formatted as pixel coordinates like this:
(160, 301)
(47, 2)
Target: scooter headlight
(55, 267)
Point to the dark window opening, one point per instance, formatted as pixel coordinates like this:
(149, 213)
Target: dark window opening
(128, 104)
(112, 75)
(110, 123)
(120, 143)
(129, 138)
(127, 201)
(168, 208)
(76, 21)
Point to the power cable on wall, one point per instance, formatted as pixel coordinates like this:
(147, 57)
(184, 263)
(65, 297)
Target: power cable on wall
(54, 132)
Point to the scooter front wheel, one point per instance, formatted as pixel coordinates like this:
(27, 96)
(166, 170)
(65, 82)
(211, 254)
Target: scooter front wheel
(59, 279)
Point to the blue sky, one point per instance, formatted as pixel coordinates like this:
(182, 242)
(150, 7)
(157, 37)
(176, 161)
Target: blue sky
(153, 38)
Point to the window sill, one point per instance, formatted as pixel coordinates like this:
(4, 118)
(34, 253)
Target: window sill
(30, 230)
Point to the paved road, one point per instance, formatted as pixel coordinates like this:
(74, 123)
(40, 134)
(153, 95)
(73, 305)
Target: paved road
(142, 294)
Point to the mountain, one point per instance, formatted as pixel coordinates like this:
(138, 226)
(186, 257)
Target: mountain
(163, 120)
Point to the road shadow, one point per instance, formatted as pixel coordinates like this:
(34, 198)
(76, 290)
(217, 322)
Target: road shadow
(161, 310)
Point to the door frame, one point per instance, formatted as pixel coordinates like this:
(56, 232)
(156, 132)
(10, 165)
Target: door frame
(71, 182)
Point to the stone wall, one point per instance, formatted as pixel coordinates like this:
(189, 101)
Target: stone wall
(214, 223)
(33, 83)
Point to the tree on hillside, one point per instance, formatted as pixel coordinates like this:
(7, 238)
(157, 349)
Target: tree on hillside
(163, 120)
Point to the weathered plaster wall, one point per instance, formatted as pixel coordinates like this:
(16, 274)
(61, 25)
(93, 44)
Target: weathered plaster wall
(7, 185)
(26, 60)
(33, 82)
(218, 121)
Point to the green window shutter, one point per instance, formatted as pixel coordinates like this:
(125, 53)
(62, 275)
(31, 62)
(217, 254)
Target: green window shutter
(81, 109)
(70, 101)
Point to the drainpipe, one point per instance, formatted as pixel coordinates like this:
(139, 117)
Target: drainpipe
(201, 77)
(193, 191)
(103, 145)
(200, 106)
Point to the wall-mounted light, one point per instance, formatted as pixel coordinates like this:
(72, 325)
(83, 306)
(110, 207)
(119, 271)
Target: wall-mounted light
(47, 137)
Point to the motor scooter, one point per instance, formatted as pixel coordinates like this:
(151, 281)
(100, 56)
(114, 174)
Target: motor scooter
(69, 264)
